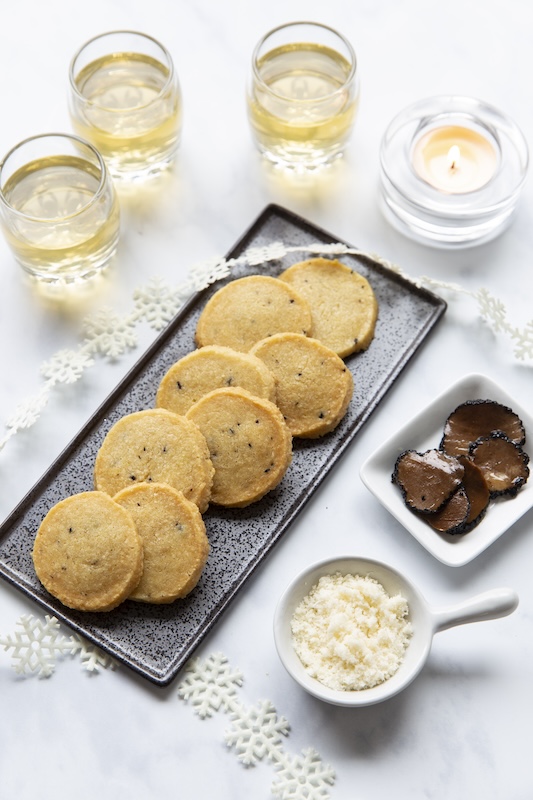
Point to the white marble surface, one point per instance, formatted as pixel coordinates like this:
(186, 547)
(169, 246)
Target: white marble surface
(463, 729)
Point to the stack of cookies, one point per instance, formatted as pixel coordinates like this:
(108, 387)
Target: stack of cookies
(268, 367)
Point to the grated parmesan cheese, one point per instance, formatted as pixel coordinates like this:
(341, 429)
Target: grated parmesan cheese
(349, 633)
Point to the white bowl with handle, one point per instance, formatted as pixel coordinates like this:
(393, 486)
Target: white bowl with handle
(426, 621)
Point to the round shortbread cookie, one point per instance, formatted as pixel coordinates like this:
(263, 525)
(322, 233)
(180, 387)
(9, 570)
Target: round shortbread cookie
(249, 443)
(213, 367)
(249, 309)
(343, 305)
(174, 539)
(87, 552)
(314, 385)
(157, 446)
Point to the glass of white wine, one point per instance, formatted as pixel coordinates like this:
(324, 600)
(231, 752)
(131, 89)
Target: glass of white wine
(125, 99)
(58, 208)
(303, 95)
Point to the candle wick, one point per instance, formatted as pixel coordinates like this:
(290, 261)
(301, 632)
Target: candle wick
(454, 156)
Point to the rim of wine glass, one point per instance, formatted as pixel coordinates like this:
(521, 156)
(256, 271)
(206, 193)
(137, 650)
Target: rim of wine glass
(104, 181)
(349, 78)
(170, 63)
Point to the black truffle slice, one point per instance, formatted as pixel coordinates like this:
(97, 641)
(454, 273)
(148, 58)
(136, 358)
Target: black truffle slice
(453, 516)
(477, 492)
(503, 463)
(476, 418)
(427, 480)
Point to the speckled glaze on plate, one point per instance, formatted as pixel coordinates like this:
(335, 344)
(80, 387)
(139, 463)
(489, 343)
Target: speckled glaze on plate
(156, 641)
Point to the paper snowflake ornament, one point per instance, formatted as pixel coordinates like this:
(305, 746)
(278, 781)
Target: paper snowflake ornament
(256, 732)
(210, 685)
(108, 334)
(210, 271)
(27, 413)
(38, 643)
(492, 310)
(304, 777)
(66, 366)
(157, 303)
(270, 252)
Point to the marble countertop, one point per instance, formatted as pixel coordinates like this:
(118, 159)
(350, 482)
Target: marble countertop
(462, 729)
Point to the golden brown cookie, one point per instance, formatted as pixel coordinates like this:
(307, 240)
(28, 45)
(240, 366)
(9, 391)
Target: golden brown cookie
(87, 552)
(174, 539)
(249, 443)
(213, 367)
(314, 385)
(343, 305)
(249, 309)
(157, 446)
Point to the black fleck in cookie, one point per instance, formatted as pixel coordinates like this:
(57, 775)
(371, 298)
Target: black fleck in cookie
(174, 539)
(249, 443)
(157, 446)
(249, 309)
(343, 305)
(314, 386)
(87, 552)
(213, 367)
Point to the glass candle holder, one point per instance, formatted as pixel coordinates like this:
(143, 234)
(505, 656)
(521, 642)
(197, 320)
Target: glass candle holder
(452, 170)
(58, 208)
(125, 99)
(302, 95)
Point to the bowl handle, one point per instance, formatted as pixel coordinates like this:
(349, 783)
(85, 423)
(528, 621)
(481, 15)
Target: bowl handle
(488, 605)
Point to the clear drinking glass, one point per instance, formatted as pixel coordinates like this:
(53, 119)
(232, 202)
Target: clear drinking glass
(58, 208)
(303, 95)
(125, 99)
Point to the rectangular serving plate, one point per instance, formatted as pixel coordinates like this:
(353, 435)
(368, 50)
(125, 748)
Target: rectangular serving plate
(157, 640)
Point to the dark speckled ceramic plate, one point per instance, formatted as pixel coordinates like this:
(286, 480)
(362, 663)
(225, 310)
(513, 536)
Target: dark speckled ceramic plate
(156, 641)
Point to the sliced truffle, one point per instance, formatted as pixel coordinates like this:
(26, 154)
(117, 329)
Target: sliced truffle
(453, 516)
(477, 492)
(427, 480)
(503, 463)
(476, 418)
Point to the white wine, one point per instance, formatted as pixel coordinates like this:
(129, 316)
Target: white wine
(302, 104)
(60, 219)
(128, 105)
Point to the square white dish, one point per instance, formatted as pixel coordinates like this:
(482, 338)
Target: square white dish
(425, 431)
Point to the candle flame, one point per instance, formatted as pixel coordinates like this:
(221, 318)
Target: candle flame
(454, 157)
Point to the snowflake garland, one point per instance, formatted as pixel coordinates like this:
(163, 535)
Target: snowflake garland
(257, 733)
(108, 335)
(38, 644)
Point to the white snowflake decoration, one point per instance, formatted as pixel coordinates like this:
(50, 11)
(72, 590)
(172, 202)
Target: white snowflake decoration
(210, 685)
(260, 255)
(492, 310)
(524, 337)
(203, 275)
(334, 249)
(66, 366)
(28, 412)
(92, 658)
(304, 776)
(108, 334)
(36, 647)
(38, 644)
(256, 733)
(157, 303)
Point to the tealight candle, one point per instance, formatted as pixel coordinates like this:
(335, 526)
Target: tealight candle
(454, 159)
(452, 169)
